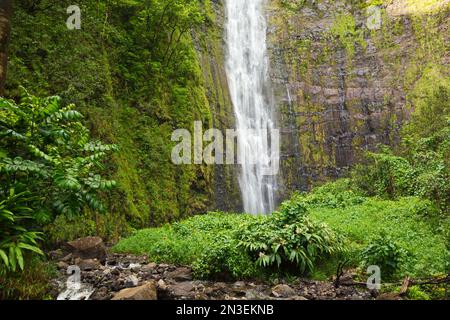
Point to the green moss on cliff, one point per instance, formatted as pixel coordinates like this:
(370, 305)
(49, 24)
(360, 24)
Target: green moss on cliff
(135, 86)
(352, 87)
(345, 30)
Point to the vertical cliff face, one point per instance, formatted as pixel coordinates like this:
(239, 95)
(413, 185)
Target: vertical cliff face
(343, 86)
(211, 52)
(340, 89)
(135, 87)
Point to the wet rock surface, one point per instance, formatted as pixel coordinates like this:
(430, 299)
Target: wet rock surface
(128, 277)
(88, 248)
(147, 291)
(335, 103)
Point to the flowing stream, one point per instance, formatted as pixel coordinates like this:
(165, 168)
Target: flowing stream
(247, 68)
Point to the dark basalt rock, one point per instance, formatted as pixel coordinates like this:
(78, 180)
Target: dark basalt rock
(88, 248)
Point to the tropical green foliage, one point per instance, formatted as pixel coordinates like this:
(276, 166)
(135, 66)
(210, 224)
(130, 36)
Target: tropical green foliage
(207, 242)
(385, 253)
(133, 71)
(238, 245)
(49, 166)
(33, 283)
(289, 238)
(224, 258)
(415, 225)
(421, 166)
(47, 151)
(15, 238)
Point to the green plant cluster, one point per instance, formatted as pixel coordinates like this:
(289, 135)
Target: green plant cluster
(385, 253)
(239, 246)
(344, 29)
(420, 166)
(289, 238)
(207, 242)
(14, 237)
(49, 166)
(34, 283)
(133, 70)
(415, 226)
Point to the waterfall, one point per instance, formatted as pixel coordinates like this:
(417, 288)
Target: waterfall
(247, 69)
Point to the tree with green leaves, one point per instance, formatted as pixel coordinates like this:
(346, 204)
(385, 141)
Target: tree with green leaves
(48, 164)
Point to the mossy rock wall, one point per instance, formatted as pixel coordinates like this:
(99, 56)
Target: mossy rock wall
(342, 88)
(108, 72)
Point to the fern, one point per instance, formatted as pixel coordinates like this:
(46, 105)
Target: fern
(14, 237)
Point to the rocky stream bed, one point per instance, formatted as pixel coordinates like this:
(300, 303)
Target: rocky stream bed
(86, 270)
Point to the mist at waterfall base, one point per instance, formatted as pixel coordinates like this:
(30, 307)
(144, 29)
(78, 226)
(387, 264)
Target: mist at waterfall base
(247, 67)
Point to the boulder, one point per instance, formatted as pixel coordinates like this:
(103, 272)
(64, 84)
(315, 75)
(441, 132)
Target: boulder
(162, 285)
(180, 274)
(283, 291)
(101, 294)
(131, 281)
(88, 264)
(183, 290)
(88, 248)
(145, 292)
(253, 294)
(149, 267)
(62, 265)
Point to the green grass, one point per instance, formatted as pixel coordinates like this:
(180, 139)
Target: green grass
(181, 242)
(415, 225)
(423, 239)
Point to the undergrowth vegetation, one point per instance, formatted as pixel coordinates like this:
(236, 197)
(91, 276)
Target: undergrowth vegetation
(238, 246)
(402, 237)
(49, 167)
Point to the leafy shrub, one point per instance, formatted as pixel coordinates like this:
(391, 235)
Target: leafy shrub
(64, 228)
(419, 166)
(415, 293)
(49, 166)
(414, 223)
(230, 245)
(289, 238)
(385, 175)
(185, 241)
(385, 253)
(34, 283)
(48, 152)
(337, 194)
(224, 258)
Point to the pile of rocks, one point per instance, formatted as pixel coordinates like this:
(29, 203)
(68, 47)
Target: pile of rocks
(105, 276)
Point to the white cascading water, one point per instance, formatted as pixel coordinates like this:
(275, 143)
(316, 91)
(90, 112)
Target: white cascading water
(248, 78)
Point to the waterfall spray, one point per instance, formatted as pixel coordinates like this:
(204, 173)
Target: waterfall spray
(248, 78)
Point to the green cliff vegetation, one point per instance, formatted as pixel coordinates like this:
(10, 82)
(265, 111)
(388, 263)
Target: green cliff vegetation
(133, 71)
